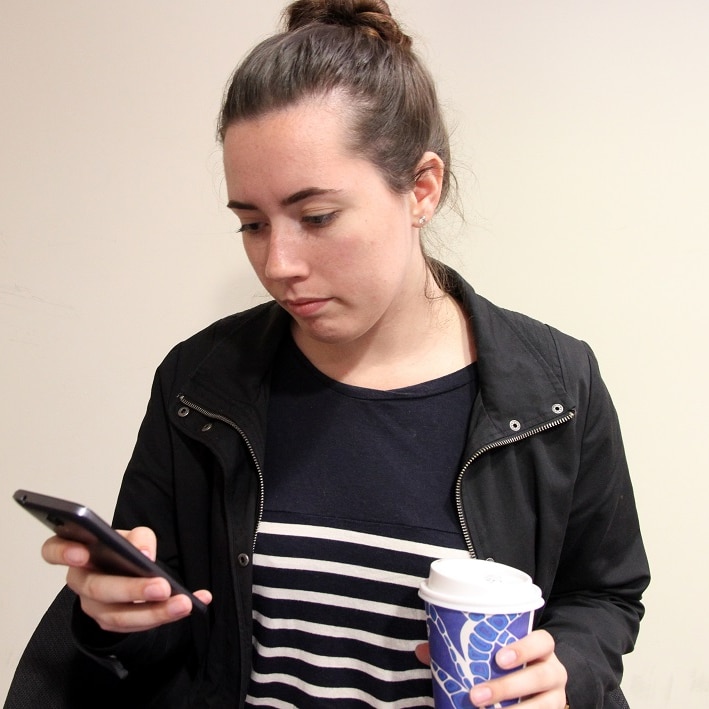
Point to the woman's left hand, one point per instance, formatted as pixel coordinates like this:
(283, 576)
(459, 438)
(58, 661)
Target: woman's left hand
(541, 684)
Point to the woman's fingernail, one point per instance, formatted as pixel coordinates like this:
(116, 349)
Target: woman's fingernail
(506, 658)
(75, 556)
(178, 606)
(155, 592)
(480, 695)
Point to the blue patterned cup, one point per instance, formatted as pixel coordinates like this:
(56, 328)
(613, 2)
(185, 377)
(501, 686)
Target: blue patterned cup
(473, 608)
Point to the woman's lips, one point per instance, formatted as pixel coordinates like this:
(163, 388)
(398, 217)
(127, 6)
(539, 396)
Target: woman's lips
(305, 307)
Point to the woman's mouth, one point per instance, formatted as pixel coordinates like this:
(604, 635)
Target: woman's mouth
(305, 307)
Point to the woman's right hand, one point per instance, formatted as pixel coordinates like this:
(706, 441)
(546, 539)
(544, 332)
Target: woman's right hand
(120, 604)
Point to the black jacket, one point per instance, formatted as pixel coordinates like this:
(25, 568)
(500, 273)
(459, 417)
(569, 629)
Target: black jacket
(544, 487)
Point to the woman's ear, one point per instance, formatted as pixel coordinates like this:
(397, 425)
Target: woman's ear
(426, 192)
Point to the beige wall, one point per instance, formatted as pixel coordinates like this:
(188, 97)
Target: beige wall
(581, 135)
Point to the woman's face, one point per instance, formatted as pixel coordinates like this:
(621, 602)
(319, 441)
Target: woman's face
(325, 234)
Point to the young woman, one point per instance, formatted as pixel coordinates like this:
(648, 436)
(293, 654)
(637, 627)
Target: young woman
(306, 460)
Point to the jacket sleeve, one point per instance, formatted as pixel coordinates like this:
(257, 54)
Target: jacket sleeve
(146, 499)
(595, 608)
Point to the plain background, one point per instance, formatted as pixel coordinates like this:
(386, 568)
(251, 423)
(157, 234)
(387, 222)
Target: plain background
(580, 135)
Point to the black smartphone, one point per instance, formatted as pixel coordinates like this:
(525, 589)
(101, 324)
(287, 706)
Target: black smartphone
(108, 550)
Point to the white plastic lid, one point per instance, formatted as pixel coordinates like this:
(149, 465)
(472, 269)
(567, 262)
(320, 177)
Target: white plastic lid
(478, 586)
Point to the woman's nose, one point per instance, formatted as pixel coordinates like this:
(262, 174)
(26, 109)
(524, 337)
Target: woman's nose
(285, 257)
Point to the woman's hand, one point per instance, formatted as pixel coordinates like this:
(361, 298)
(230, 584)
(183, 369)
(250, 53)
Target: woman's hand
(541, 684)
(120, 604)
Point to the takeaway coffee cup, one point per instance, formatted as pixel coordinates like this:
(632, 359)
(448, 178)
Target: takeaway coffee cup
(473, 608)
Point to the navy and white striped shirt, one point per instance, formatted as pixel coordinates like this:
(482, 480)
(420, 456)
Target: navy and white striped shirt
(358, 502)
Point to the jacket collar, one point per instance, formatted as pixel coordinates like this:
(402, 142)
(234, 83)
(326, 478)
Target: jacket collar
(519, 373)
(518, 369)
(232, 380)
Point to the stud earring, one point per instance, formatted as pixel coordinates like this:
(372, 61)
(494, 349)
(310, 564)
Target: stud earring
(422, 220)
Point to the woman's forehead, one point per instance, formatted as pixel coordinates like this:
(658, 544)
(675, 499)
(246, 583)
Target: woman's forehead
(310, 136)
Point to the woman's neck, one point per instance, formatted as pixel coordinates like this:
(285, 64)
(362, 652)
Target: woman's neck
(431, 339)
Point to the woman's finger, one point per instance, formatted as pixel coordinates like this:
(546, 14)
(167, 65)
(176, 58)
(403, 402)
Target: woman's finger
(136, 617)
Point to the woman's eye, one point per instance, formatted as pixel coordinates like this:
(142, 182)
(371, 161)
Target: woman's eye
(250, 228)
(319, 220)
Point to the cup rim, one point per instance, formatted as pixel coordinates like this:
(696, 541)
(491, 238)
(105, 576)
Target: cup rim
(506, 590)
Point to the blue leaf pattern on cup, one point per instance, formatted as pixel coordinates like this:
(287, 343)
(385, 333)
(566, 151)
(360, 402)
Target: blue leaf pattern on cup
(470, 642)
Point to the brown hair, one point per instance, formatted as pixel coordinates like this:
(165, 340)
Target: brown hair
(357, 47)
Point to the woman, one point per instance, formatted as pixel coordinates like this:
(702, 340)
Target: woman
(306, 459)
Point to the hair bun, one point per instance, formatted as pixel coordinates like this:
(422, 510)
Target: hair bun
(372, 16)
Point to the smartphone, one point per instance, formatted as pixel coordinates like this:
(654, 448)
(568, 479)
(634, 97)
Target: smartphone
(108, 550)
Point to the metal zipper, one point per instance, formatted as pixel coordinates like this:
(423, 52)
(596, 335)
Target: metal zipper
(247, 442)
(490, 446)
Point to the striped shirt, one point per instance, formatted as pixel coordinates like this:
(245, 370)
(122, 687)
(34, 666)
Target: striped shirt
(347, 536)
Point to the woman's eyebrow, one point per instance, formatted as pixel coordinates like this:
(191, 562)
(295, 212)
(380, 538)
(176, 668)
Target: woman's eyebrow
(304, 194)
(298, 196)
